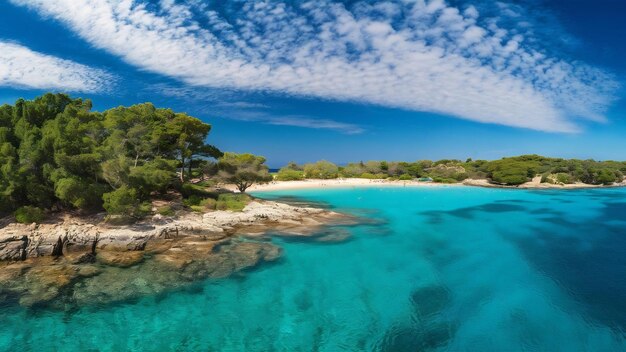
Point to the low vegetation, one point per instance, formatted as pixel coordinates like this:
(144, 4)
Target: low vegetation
(506, 171)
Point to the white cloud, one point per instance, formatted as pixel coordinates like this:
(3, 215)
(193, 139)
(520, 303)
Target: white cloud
(295, 121)
(433, 57)
(23, 68)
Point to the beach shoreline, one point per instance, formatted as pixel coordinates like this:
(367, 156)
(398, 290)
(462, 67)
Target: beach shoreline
(360, 182)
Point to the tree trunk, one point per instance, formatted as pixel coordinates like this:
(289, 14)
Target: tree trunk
(182, 169)
(243, 186)
(190, 160)
(136, 159)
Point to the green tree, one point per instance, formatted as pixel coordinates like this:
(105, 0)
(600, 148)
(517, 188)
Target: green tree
(124, 201)
(243, 170)
(188, 135)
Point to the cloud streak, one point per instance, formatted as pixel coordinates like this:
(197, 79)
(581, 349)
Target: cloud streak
(296, 121)
(416, 55)
(21, 67)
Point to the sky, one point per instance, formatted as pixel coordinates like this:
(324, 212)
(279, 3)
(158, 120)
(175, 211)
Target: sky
(341, 80)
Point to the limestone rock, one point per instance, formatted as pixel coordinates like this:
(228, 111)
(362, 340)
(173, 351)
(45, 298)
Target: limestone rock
(120, 259)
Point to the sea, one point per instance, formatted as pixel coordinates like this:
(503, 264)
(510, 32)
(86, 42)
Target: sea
(448, 268)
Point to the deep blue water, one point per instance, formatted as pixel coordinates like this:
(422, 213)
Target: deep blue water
(448, 269)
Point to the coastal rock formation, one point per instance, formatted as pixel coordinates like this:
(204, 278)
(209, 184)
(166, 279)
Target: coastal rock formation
(73, 262)
(73, 238)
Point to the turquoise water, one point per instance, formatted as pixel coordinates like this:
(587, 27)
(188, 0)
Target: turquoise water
(449, 269)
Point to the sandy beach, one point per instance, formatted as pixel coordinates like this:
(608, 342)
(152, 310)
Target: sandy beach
(340, 183)
(360, 182)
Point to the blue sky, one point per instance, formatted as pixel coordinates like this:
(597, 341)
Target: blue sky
(341, 80)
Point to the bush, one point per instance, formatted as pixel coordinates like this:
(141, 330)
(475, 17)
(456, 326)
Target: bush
(405, 177)
(165, 210)
(605, 177)
(208, 204)
(124, 201)
(368, 176)
(189, 190)
(286, 174)
(28, 215)
(564, 178)
(321, 170)
(192, 200)
(444, 180)
(232, 201)
(200, 204)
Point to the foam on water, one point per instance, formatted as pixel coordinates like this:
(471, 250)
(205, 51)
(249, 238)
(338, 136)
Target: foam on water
(451, 269)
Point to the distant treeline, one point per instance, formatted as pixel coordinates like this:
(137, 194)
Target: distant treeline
(55, 153)
(506, 171)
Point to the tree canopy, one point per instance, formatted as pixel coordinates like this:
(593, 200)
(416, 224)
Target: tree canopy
(243, 170)
(57, 153)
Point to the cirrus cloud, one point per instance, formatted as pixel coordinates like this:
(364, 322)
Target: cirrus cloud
(23, 68)
(417, 55)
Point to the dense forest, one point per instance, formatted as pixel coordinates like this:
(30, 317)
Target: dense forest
(506, 171)
(55, 153)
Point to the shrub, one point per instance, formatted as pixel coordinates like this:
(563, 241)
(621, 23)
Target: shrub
(563, 178)
(444, 180)
(192, 200)
(232, 201)
(188, 190)
(368, 175)
(28, 215)
(447, 170)
(509, 178)
(405, 177)
(124, 201)
(208, 204)
(199, 204)
(288, 174)
(165, 210)
(605, 177)
(321, 170)
(353, 170)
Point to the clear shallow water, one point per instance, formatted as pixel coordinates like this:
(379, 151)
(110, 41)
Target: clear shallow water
(452, 269)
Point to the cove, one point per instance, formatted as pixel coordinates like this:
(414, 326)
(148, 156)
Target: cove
(444, 269)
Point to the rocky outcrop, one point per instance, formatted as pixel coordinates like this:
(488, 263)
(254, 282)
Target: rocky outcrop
(77, 239)
(13, 247)
(73, 262)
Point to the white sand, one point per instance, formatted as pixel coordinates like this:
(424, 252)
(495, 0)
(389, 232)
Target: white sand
(338, 183)
(360, 182)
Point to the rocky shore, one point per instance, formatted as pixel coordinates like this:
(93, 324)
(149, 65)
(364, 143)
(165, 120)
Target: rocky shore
(74, 262)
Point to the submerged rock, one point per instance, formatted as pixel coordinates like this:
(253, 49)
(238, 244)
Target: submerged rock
(120, 259)
(44, 283)
(121, 276)
(73, 263)
(430, 301)
(416, 338)
(428, 331)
